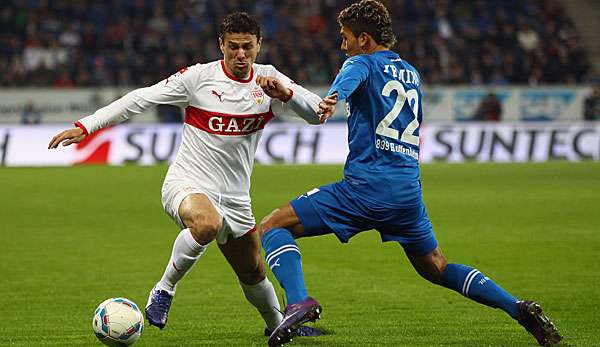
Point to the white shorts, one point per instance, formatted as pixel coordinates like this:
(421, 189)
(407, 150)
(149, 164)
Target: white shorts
(237, 217)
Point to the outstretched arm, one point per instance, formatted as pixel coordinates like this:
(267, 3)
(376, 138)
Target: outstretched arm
(302, 101)
(67, 137)
(169, 91)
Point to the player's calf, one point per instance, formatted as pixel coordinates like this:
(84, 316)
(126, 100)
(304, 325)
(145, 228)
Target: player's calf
(430, 266)
(285, 260)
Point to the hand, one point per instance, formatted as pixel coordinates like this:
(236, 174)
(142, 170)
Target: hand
(273, 87)
(73, 135)
(327, 107)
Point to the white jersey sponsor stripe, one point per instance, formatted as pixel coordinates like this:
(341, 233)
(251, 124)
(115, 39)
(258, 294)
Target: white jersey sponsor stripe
(226, 124)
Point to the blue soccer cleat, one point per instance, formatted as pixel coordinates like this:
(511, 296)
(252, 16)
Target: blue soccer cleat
(157, 308)
(295, 315)
(537, 323)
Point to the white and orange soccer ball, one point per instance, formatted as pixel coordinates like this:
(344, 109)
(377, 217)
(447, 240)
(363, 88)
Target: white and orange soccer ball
(118, 322)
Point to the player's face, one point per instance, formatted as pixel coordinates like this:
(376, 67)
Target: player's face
(239, 52)
(350, 43)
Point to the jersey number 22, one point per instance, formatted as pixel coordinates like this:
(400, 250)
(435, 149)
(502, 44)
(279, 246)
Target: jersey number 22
(384, 129)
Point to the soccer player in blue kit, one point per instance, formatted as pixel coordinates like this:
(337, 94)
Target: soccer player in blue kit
(381, 188)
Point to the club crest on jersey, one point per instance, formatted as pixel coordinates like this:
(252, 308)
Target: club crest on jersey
(258, 96)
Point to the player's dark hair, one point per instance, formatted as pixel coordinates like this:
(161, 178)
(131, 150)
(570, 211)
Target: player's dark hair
(239, 23)
(371, 17)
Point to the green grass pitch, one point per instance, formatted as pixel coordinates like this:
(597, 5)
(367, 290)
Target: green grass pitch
(72, 237)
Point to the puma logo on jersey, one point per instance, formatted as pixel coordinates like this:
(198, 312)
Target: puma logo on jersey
(214, 92)
(276, 263)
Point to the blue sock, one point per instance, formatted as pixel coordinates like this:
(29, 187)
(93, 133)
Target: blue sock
(475, 285)
(284, 258)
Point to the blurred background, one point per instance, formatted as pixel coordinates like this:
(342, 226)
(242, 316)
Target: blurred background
(504, 81)
(509, 62)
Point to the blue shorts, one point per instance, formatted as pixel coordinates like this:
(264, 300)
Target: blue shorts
(335, 208)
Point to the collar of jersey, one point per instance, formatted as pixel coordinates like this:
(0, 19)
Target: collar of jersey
(387, 51)
(232, 77)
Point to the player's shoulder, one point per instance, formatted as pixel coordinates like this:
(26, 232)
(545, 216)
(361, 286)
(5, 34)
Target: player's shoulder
(186, 72)
(357, 59)
(193, 74)
(408, 66)
(264, 69)
(200, 68)
(393, 58)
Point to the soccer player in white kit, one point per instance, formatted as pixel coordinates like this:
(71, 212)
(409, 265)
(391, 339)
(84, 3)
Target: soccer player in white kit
(206, 189)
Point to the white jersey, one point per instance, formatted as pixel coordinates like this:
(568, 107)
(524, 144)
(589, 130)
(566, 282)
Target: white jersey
(224, 117)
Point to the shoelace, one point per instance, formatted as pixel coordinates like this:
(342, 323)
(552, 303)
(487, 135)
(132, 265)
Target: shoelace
(284, 305)
(162, 301)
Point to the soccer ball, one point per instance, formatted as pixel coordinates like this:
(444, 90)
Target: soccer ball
(118, 322)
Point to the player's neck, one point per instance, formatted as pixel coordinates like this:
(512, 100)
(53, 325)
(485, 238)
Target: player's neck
(370, 49)
(230, 72)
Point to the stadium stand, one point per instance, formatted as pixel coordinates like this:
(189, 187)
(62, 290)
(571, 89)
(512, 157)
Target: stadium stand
(138, 42)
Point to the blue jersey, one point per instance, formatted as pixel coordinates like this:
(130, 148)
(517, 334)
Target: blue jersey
(383, 95)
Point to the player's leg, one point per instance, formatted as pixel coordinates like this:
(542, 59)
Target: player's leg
(475, 285)
(328, 209)
(202, 222)
(278, 231)
(324, 210)
(283, 256)
(464, 279)
(428, 260)
(243, 254)
(415, 233)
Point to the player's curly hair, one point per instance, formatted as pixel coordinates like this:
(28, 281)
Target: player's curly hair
(371, 17)
(239, 23)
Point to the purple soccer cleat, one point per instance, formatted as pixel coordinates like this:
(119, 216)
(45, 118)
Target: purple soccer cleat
(157, 308)
(303, 331)
(537, 323)
(295, 315)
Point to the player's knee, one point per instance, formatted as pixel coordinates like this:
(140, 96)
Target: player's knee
(441, 265)
(433, 275)
(204, 229)
(438, 267)
(267, 224)
(254, 275)
(431, 266)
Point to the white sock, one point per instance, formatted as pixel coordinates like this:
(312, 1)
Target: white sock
(186, 251)
(262, 296)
